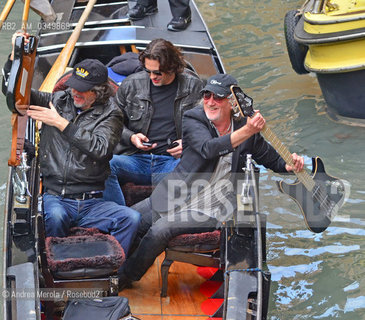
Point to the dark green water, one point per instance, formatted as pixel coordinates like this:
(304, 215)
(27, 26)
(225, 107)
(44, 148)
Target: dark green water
(314, 276)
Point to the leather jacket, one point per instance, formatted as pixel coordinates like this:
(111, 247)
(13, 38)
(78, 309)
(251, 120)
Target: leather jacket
(133, 96)
(202, 149)
(77, 159)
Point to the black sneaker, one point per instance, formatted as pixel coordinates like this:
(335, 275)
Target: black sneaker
(139, 12)
(179, 23)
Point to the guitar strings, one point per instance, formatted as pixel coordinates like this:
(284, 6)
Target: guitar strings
(306, 179)
(303, 176)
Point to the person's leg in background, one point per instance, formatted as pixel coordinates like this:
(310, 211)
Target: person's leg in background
(142, 9)
(181, 15)
(123, 169)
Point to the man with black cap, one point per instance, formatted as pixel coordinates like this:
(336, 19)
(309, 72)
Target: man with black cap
(199, 193)
(80, 128)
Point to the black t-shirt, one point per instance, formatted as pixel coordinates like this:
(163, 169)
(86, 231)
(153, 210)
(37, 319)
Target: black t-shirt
(162, 125)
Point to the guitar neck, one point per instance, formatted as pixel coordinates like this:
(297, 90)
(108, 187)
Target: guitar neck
(303, 175)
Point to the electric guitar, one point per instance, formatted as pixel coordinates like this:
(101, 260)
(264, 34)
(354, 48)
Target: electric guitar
(319, 196)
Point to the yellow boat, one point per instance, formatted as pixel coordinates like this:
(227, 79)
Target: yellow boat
(327, 37)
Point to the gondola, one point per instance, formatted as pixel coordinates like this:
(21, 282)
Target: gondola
(327, 38)
(237, 284)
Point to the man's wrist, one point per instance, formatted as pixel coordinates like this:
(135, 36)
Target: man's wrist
(62, 124)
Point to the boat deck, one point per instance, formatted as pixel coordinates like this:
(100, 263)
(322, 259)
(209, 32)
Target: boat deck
(187, 294)
(163, 17)
(108, 33)
(107, 27)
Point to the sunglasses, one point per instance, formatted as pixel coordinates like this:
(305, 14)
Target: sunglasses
(155, 72)
(208, 94)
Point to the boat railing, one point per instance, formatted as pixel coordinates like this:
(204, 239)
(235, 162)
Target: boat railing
(317, 6)
(247, 265)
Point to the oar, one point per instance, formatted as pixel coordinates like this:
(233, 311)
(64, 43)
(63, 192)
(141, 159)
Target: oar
(4, 14)
(61, 62)
(25, 15)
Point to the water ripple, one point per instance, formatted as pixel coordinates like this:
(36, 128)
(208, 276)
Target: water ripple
(339, 249)
(353, 304)
(295, 291)
(353, 286)
(332, 312)
(279, 272)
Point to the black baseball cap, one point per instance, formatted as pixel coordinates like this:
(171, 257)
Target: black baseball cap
(87, 74)
(220, 84)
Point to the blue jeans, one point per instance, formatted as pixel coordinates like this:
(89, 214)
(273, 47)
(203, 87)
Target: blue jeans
(144, 169)
(60, 214)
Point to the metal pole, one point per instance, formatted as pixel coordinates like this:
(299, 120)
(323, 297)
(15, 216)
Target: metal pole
(250, 171)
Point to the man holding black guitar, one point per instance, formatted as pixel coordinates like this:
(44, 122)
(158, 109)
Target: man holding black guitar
(216, 141)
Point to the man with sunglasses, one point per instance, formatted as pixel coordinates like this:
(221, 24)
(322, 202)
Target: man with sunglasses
(153, 102)
(200, 193)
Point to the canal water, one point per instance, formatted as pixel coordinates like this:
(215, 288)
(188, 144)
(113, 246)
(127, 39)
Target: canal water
(314, 276)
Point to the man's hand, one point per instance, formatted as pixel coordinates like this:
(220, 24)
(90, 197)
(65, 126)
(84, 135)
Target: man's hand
(48, 116)
(298, 163)
(18, 33)
(256, 123)
(252, 126)
(137, 140)
(176, 151)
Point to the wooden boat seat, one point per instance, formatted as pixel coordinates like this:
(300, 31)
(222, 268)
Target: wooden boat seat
(200, 249)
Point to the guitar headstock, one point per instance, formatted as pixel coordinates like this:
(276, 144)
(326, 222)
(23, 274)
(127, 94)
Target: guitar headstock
(244, 102)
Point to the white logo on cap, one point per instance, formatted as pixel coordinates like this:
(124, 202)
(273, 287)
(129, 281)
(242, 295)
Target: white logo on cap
(215, 82)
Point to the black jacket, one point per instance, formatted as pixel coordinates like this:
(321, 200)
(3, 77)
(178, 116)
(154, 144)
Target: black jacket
(201, 151)
(133, 96)
(77, 159)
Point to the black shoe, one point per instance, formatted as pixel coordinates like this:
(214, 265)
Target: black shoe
(139, 12)
(124, 282)
(179, 23)
(124, 285)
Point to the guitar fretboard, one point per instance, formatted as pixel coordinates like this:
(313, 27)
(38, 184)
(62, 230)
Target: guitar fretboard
(303, 175)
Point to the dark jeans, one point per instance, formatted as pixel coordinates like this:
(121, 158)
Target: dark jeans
(179, 8)
(144, 169)
(154, 233)
(60, 214)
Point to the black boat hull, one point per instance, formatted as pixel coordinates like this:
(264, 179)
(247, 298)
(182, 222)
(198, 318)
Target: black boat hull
(344, 93)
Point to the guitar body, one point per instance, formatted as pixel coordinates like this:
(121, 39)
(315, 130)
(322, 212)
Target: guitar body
(21, 75)
(321, 204)
(319, 195)
(18, 93)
